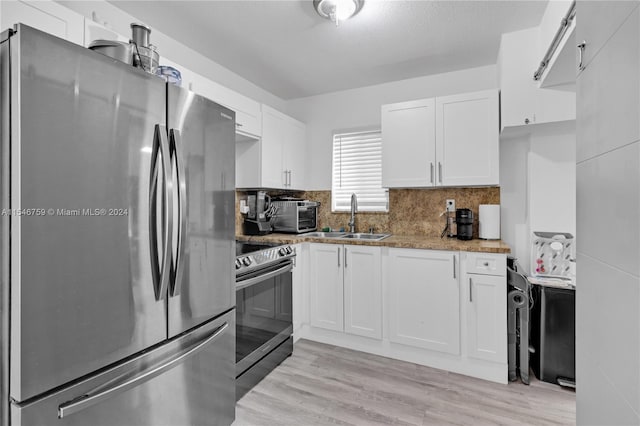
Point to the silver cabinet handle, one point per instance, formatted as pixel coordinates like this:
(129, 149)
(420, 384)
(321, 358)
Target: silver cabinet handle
(94, 397)
(581, 47)
(175, 144)
(470, 290)
(431, 166)
(289, 181)
(345, 257)
(285, 177)
(238, 124)
(440, 171)
(454, 266)
(338, 257)
(160, 269)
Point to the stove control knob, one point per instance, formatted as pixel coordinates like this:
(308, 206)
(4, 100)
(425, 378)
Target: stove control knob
(238, 264)
(282, 251)
(289, 249)
(246, 261)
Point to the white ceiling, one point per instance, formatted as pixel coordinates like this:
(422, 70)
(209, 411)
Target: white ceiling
(287, 49)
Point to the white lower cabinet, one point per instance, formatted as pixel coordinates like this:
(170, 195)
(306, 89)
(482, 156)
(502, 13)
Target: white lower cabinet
(362, 291)
(424, 299)
(443, 309)
(346, 293)
(327, 286)
(486, 307)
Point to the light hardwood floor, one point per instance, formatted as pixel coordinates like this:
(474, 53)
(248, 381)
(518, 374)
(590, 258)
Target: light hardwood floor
(322, 384)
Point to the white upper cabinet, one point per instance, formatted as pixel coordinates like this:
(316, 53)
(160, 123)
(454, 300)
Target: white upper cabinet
(277, 160)
(444, 141)
(294, 152)
(273, 143)
(248, 111)
(597, 22)
(46, 16)
(517, 60)
(467, 139)
(409, 144)
(424, 299)
(522, 102)
(608, 88)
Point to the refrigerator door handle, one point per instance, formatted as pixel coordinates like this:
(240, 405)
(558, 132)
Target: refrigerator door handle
(100, 394)
(181, 185)
(160, 270)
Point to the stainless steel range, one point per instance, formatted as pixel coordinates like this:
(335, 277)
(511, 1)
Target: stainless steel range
(264, 324)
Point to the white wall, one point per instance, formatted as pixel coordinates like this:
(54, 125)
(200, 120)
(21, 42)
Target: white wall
(358, 108)
(119, 21)
(537, 185)
(514, 197)
(552, 178)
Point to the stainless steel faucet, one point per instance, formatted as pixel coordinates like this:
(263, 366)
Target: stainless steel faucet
(354, 209)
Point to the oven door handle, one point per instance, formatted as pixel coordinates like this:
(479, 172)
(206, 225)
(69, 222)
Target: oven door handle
(255, 280)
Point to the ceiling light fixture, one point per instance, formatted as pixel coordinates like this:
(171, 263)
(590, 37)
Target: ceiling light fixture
(337, 10)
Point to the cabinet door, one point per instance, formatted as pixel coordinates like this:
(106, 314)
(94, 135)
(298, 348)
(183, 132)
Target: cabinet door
(273, 137)
(362, 291)
(609, 94)
(467, 139)
(517, 60)
(597, 22)
(487, 317)
(424, 299)
(47, 16)
(408, 144)
(326, 286)
(294, 154)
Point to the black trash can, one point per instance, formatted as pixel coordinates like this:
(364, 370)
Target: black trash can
(553, 335)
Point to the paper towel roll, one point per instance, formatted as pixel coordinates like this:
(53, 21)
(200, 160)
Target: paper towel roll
(489, 221)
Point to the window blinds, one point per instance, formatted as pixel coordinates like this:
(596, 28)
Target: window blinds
(357, 168)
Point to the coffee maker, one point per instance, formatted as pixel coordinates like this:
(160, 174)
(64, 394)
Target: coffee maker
(464, 224)
(257, 221)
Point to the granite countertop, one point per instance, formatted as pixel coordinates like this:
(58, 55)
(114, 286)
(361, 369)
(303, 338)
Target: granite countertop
(401, 241)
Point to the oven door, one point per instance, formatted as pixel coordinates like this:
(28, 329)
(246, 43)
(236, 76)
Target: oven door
(263, 314)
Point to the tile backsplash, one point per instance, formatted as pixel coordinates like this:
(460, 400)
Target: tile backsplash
(411, 211)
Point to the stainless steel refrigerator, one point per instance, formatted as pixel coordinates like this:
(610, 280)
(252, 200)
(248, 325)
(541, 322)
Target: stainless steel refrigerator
(117, 232)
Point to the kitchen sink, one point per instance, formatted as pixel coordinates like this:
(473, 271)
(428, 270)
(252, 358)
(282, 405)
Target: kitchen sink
(370, 237)
(324, 234)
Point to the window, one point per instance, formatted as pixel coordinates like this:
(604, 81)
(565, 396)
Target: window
(357, 169)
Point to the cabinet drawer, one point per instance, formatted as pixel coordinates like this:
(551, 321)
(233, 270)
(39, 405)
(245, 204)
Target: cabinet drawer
(487, 264)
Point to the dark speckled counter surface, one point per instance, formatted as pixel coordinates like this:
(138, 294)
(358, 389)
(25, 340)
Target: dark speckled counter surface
(400, 241)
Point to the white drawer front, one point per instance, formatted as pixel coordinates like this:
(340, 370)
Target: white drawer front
(487, 264)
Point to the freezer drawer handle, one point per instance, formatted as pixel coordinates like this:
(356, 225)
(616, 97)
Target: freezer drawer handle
(181, 185)
(96, 396)
(160, 273)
